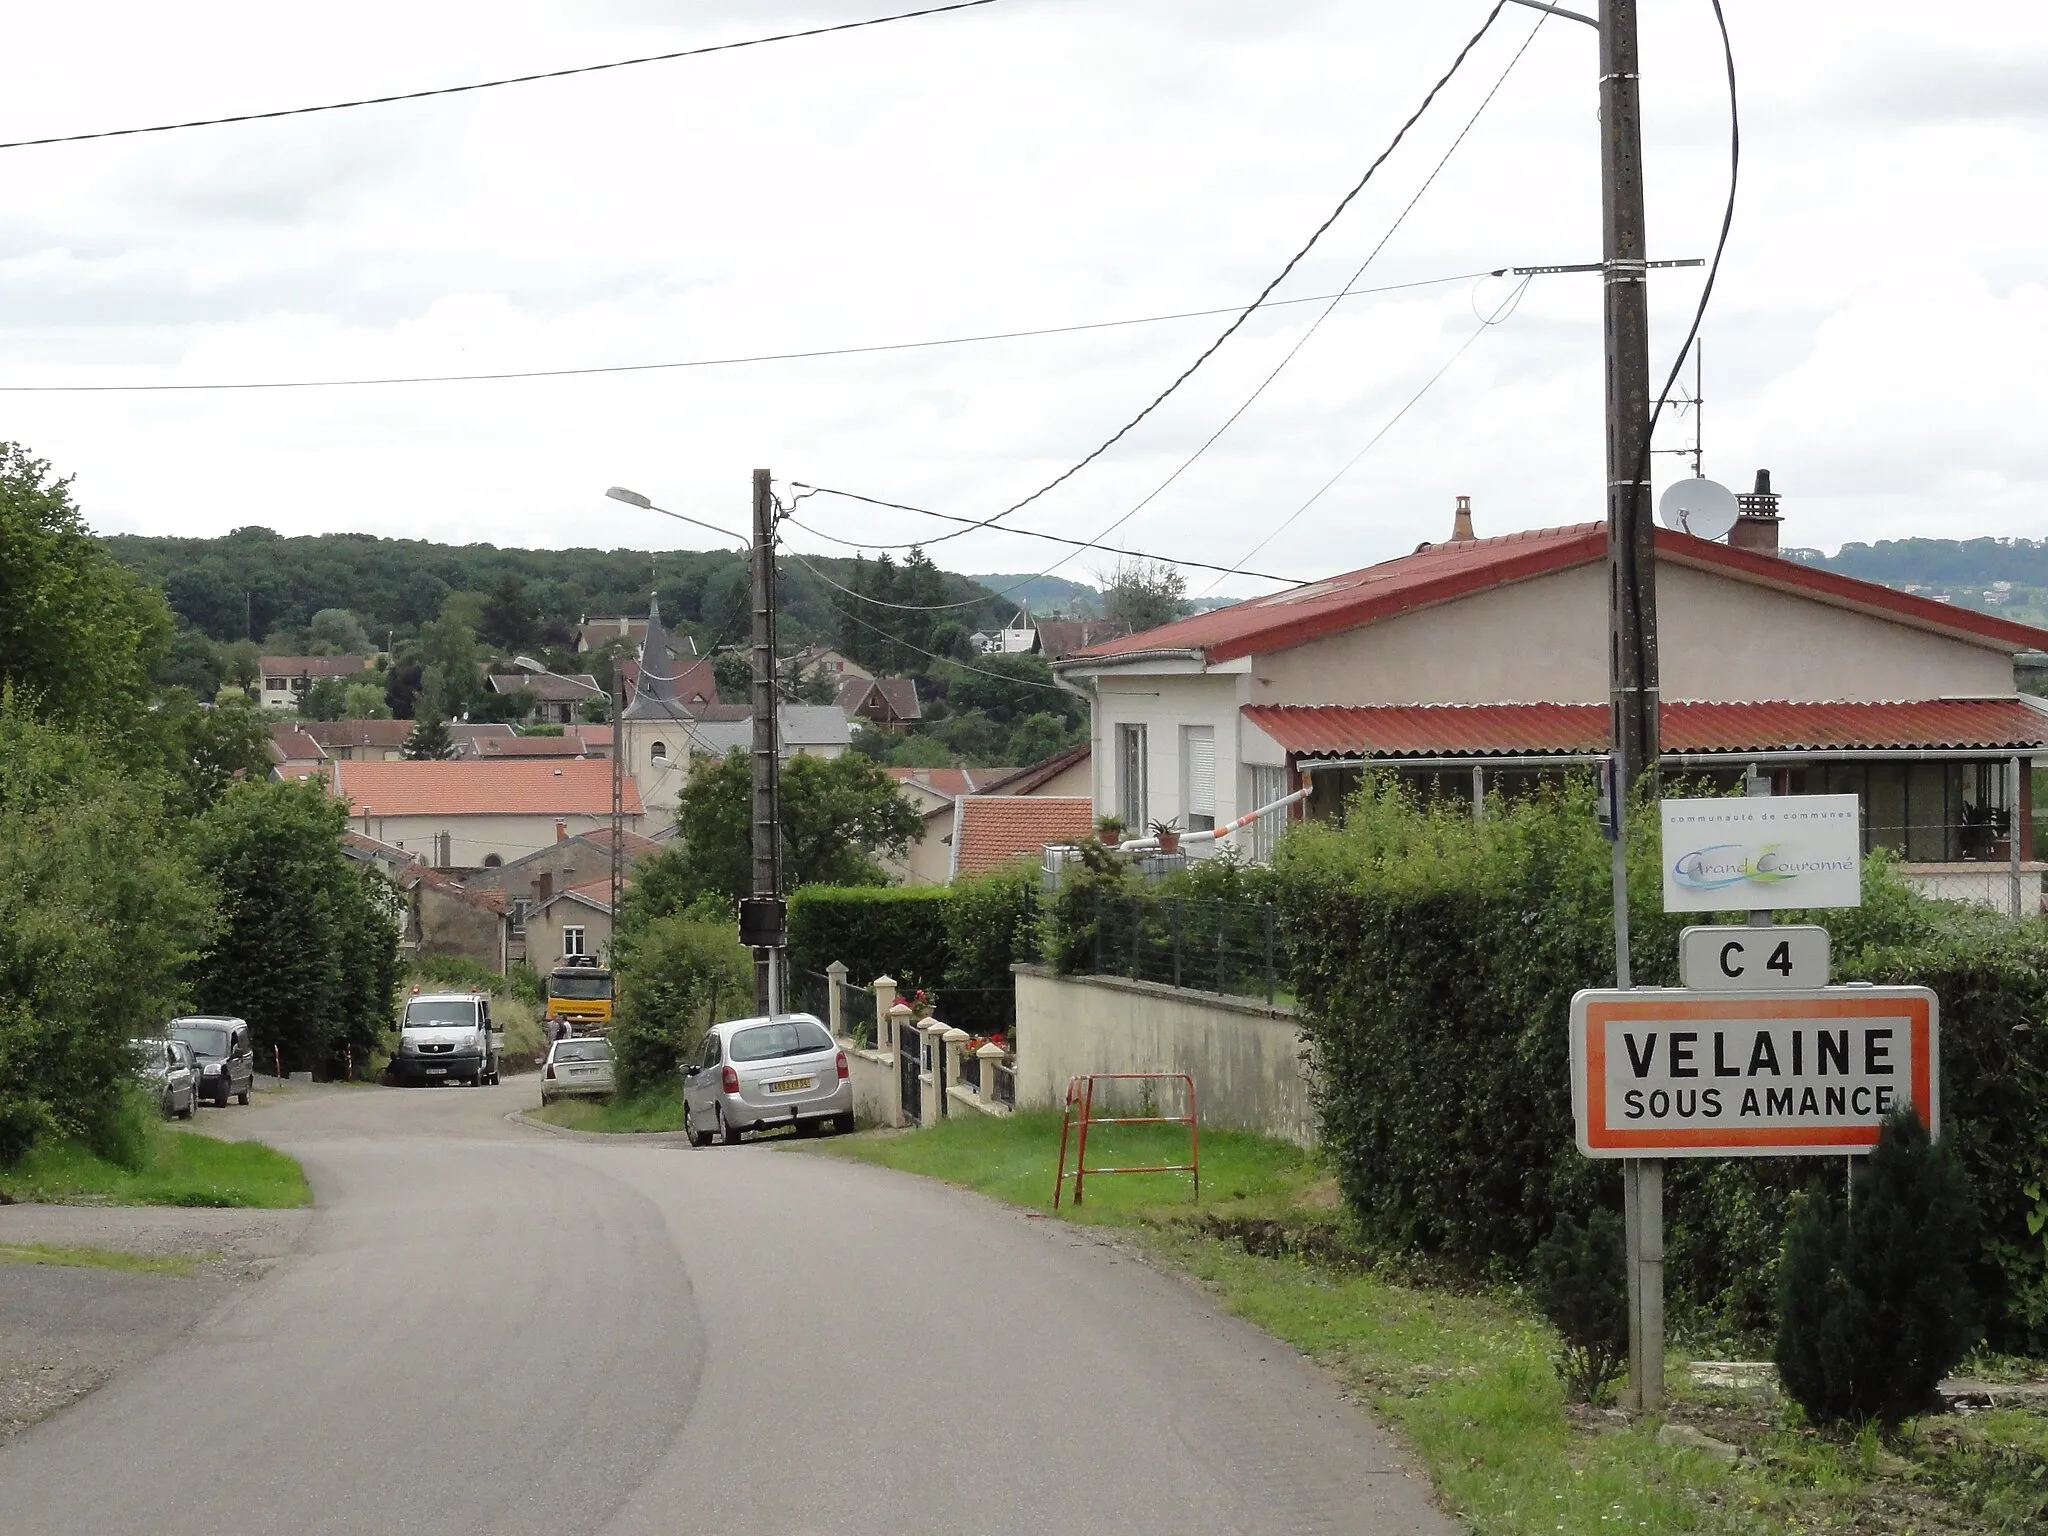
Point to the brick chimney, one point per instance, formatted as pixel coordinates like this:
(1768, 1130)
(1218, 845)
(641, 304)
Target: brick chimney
(1756, 525)
(1461, 525)
(561, 831)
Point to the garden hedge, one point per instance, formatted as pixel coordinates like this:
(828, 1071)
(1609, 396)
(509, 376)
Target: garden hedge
(1435, 958)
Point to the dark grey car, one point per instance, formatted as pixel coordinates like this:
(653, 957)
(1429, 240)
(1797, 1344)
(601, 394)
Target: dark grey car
(227, 1062)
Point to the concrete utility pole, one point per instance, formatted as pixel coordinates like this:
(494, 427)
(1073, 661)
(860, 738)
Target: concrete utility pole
(768, 988)
(1631, 531)
(1631, 606)
(618, 795)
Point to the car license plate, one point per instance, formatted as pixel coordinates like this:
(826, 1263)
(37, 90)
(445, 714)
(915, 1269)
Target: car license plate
(789, 1085)
(437, 1071)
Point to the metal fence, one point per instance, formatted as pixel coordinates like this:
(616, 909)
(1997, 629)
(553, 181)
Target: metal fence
(811, 992)
(1229, 947)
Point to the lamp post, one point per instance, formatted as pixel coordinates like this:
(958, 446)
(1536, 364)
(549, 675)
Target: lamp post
(611, 697)
(761, 918)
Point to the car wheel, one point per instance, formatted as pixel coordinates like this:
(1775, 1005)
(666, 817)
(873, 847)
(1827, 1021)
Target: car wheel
(842, 1123)
(242, 1098)
(191, 1106)
(726, 1133)
(697, 1138)
(220, 1100)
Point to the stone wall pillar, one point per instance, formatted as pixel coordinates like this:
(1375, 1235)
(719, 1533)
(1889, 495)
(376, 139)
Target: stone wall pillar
(835, 1001)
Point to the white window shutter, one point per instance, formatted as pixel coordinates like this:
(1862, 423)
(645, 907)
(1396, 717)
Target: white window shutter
(1201, 761)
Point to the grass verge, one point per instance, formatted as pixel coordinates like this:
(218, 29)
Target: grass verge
(1466, 1373)
(98, 1258)
(176, 1168)
(649, 1112)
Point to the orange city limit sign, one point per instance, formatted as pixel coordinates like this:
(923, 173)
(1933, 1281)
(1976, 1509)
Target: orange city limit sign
(1671, 1073)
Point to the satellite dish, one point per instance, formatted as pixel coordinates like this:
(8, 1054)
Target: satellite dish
(1703, 508)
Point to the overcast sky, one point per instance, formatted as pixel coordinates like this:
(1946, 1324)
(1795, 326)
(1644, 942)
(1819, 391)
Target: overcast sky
(1875, 338)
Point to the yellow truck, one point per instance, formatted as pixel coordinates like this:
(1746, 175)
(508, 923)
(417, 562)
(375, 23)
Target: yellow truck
(580, 994)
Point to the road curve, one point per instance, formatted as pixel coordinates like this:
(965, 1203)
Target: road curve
(493, 1329)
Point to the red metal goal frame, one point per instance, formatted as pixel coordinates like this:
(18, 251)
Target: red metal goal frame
(1081, 1096)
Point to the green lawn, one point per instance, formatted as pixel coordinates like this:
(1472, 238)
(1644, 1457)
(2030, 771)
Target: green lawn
(98, 1258)
(178, 1168)
(656, 1111)
(1466, 1372)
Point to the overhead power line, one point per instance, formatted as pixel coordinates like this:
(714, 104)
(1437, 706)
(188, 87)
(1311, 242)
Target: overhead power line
(722, 362)
(489, 85)
(1264, 293)
(1025, 533)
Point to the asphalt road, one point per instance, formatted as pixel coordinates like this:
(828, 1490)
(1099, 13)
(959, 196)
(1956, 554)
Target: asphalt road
(488, 1328)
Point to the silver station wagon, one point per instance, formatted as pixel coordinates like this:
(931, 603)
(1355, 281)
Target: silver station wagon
(755, 1074)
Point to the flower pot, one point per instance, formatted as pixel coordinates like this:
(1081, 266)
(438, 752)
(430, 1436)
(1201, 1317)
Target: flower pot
(1109, 836)
(1169, 842)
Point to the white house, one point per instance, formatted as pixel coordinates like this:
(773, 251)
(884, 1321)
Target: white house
(1486, 659)
(469, 814)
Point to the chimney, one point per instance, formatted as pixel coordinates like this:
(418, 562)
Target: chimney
(1461, 526)
(561, 831)
(1756, 525)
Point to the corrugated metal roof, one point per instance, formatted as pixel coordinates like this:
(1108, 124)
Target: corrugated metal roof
(1506, 730)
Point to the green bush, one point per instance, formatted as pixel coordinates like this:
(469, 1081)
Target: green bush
(455, 973)
(1579, 1281)
(876, 930)
(991, 925)
(679, 974)
(1435, 958)
(1875, 1304)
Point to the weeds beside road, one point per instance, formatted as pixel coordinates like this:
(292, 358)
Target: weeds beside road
(1466, 1372)
(658, 1111)
(171, 1168)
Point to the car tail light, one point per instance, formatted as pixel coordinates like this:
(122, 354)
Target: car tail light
(728, 1080)
(842, 1066)
(551, 1069)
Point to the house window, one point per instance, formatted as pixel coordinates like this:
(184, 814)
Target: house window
(492, 861)
(658, 752)
(1130, 777)
(520, 907)
(1198, 777)
(572, 940)
(299, 684)
(274, 684)
(1268, 785)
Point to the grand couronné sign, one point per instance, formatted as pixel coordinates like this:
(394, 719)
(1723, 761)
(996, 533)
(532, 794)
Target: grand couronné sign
(1733, 855)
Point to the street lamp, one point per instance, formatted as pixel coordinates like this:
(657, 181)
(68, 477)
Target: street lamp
(635, 499)
(611, 697)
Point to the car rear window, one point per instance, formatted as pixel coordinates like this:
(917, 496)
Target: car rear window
(583, 1050)
(765, 1042)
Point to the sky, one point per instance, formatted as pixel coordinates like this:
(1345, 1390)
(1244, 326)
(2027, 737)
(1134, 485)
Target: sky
(1873, 337)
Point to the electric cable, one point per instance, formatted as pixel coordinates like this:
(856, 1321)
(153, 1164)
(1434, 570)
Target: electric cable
(1634, 588)
(1027, 533)
(1500, 316)
(920, 650)
(486, 85)
(1350, 286)
(1292, 262)
(712, 362)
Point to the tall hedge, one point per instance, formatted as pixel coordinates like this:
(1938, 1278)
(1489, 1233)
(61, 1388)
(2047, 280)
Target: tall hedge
(1435, 959)
(898, 931)
(958, 941)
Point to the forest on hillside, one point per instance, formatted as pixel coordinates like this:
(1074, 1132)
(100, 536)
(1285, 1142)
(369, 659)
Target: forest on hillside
(440, 617)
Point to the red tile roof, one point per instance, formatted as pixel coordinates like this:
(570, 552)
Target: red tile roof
(359, 733)
(490, 747)
(1426, 730)
(953, 782)
(577, 786)
(312, 666)
(1025, 780)
(1440, 573)
(993, 829)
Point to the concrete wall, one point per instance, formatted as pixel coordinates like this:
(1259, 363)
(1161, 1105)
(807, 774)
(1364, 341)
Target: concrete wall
(1245, 1056)
(445, 924)
(544, 932)
(871, 1074)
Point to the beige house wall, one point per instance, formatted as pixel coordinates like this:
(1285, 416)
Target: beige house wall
(475, 838)
(1544, 640)
(544, 932)
(1163, 705)
(1245, 1057)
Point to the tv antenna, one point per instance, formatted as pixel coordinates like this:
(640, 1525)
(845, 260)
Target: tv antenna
(1693, 406)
